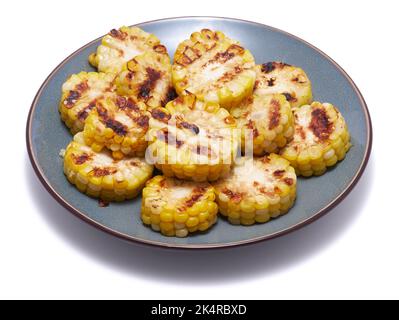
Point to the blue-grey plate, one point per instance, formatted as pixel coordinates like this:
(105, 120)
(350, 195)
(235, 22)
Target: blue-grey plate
(46, 135)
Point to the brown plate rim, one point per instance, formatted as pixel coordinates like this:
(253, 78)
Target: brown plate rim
(123, 236)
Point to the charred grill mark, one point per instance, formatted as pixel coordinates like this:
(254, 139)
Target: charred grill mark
(299, 79)
(161, 49)
(233, 196)
(274, 114)
(251, 126)
(209, 34)
(265, 191)
(118, 34)
(230, 75)
(289, 181)
(82, 87)
(265, 159)
(271, 82)
(172, 95)
(84, 113)
(119, 128)
(126, 104)
(134, 163)
(223, 57)
(148, 85)
(268, 67)
(142, 121)
(290, 97)
(188, 56)
(301, 132)
(169, 138)
(71, 99)
(76, 94)
(196, 195)
(278, 173)
(102, 172)
(320, 124)
(79, 160)
(189, 126)
(159, 115)
(271, 66)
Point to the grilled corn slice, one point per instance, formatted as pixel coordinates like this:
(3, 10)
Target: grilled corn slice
(321, 139)
(119, 124)
(121, 46)
(214, 67)
(79, 94)
(98, 175)
(257, 190)
(266, 122)
(278, 77)
(178, 208)
(148, 78)
(192, 140)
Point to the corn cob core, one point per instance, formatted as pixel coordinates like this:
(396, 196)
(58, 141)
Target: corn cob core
(119, 124)
(214, 67)
(178, 208)
(98, 175)
(321, 139)
(257, 190)
(120, 46)
(266, 122)
(79, 94)
(192, 140)
(278, 77)
(147, 78)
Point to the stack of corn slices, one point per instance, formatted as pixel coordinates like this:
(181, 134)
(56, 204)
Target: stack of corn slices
(191, 120)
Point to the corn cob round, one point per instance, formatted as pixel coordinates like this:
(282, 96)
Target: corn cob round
(119, 124)
(100, 176)
(178, 208)
(321, 139)
(79, 94)
(266, 122)
(257, 190)
(147, 78)
(278, 77)
(192, 140)
(214, 67)
(120, 46)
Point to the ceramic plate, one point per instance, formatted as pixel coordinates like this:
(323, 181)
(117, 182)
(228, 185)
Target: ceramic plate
(47, 135)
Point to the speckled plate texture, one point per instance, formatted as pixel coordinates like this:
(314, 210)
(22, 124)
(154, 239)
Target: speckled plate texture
(47, 135)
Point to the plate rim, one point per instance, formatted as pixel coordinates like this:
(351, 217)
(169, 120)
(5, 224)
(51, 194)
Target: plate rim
(326, 209)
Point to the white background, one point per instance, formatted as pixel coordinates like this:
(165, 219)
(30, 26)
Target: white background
(45, 252)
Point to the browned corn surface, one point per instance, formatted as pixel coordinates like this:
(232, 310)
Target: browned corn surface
(119, 124)
(321, 139)
(100, 176)
(266, 122)
(193, 140)
(257, 190)
(214, 67)
(278, 77)
(178, 208)
(148, 78)
(120, 46)
(79, 95)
